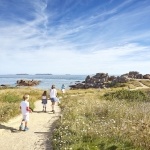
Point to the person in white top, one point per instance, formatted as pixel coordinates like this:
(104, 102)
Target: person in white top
(53, 97)
(25, 109)
(44, 100)
(63, 88)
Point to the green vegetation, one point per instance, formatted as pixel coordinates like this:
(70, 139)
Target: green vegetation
(131, 84)
(145, 82)
(11, 98)
(136, 95)
(134, 83)
(93, 119)
(108, 119)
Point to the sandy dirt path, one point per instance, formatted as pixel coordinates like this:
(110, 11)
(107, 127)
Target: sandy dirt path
(37, 137)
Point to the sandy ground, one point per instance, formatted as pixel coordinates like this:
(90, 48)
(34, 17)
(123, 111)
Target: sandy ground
(37, 137)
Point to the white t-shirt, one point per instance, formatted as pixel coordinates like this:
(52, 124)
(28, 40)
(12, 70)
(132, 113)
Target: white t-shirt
(44, 97)
(53, 93)
(24, 105)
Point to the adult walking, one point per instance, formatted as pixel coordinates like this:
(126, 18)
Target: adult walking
(53, 97)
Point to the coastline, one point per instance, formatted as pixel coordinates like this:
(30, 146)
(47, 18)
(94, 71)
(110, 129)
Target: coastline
(46, 80)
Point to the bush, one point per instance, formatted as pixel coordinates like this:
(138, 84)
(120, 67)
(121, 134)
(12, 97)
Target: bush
(8, 110)
(10, 97)
(127, 95)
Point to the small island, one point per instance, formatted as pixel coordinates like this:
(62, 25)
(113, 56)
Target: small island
(43, 74)
(22, 74)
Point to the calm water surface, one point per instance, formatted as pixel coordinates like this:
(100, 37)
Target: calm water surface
(46, 80)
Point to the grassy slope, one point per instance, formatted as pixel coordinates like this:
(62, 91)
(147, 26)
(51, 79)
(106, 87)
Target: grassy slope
(107, 119)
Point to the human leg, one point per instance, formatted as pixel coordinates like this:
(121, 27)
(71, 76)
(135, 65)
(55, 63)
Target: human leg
(53, 107)
(26, 122)
(21, 125)
(45, 107)
(22, 122)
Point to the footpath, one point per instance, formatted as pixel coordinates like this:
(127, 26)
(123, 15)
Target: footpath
(38, 137)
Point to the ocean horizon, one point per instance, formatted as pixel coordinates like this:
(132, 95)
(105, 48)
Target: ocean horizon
(47, 80)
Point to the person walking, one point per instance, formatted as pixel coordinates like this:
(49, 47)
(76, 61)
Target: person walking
(53, 97)
(63, 88)
(44, 100)
(25, 109)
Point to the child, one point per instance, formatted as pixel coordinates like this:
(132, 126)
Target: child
(44, 100)
(24, 106)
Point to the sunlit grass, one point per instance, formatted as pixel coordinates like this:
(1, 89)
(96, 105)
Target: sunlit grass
(145, 82)
(11, 98)
(93, 122)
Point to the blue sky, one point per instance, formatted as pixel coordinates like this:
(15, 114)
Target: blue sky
(74, 36)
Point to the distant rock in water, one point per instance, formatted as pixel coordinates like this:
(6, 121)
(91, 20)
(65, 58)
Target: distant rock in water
(27, 82)
(103, 80)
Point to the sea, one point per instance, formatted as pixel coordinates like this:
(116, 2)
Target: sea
(46, 80)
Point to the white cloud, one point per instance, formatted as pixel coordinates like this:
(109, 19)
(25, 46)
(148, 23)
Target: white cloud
(83, 45)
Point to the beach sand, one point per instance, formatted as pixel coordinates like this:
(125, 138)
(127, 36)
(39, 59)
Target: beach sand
(41, 125)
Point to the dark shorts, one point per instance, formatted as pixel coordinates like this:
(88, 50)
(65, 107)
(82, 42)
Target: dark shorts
(44, 101)
(54, 99)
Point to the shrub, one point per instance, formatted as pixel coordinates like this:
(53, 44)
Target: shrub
(10, 97)
(127, 95)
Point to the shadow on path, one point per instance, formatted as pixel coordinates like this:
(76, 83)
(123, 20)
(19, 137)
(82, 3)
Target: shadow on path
(49, 112)
(8, 128)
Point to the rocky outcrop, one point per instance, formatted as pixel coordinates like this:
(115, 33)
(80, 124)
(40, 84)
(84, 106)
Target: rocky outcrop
(100, 80)
(103, 80)
(136, 75)
(147, 76)
(133, 74)
(27, 82)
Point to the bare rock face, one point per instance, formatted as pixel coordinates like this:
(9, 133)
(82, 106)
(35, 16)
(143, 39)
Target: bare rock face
(133, 74)
(121, 79)
(97, 81)
(27, 82)
(139, 76)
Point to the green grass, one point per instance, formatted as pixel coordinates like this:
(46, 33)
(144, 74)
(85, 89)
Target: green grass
(135, 95)
(10, 100)
(145, 82)
(93, 121)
